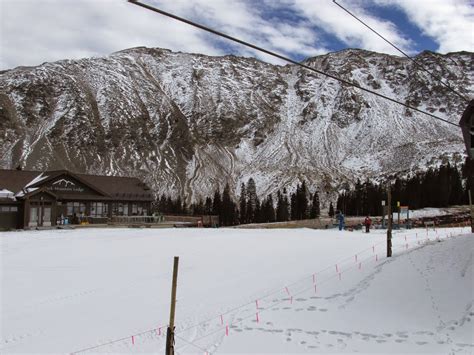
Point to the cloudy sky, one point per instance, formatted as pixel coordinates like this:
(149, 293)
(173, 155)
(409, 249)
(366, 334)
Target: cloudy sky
(37, 31)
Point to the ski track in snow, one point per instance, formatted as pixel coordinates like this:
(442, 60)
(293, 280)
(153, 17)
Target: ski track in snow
(334, 340)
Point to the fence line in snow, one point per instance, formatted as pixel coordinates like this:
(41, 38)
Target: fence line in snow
(339, 271)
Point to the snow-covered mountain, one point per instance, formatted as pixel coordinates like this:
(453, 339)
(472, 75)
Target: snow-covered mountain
(187, 122)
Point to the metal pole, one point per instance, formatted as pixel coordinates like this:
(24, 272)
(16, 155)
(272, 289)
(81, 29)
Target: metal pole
(389, 229)
(170, 331)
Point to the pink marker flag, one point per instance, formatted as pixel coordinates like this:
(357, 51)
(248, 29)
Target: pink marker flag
(159, 330)
(257, 317)
(227, 330)
(287, 291)
(314, 278)
(133, 340)
(337, 270)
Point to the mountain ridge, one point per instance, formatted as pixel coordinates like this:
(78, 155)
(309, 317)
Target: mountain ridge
(186, 123)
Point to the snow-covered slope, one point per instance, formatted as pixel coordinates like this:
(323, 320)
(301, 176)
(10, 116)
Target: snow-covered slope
(89, 291)
(187, 123)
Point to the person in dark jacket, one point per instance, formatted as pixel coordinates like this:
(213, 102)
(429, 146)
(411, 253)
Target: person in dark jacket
(367, 224)
(340, 218)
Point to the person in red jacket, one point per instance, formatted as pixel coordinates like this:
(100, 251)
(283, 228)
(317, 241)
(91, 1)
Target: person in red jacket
(367, 223)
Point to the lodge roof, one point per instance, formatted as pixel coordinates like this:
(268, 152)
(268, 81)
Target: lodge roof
(116, 187)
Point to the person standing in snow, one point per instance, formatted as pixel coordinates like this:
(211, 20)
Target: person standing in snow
(340, 218)
(367, 223)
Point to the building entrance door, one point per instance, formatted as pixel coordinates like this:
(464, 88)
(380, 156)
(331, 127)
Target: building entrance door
(33, 222)
(46, 215)
(40, 215)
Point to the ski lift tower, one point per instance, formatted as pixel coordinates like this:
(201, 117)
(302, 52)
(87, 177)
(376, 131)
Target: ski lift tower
(467, 127)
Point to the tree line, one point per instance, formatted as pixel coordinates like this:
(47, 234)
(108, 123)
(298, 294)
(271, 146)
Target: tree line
(441, 187)
(249, 209)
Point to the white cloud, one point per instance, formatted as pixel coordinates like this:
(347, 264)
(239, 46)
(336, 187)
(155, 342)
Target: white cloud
(37, 31)
(449, 22)
(34, 31)
(334, 20)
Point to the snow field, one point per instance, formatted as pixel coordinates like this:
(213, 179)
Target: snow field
(93, 289)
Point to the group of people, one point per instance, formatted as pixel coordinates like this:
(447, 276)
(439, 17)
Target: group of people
(341, 219)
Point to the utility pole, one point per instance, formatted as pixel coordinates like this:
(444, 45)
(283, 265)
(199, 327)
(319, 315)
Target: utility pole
(472, 211)
(170, 331)
(389, 229)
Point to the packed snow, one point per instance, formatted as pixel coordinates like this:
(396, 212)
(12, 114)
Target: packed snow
(239, 291)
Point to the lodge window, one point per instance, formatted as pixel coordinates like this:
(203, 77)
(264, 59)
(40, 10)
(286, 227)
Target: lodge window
(77, 208)
(139, 209)
(98, 209)
(8, 209)
(120, 209)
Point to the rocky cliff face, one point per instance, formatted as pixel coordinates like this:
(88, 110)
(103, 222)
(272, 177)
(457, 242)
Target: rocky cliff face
(186, 123)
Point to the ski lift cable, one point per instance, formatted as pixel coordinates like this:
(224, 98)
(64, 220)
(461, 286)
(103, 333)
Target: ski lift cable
(418, 65)
(286, 59)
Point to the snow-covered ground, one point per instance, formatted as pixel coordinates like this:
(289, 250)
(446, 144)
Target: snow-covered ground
(317, 291)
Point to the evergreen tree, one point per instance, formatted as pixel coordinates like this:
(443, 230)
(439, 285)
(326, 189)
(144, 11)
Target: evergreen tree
(286, 206)
(258, 212)
(208, 206)
(331, 210)
(294, 209)
(456, 196)
(198, 208)
(251, 200)
(357, 199)
(227, 208)
(315, 209)
(243, 204)
(268, 210)
(299, 202)
(217, 204)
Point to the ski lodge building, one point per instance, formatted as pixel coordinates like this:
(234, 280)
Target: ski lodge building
(30, 199)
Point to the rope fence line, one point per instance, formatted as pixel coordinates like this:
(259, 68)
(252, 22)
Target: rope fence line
(283, 300)
(261, 310)
(340, 269)
(277, 290)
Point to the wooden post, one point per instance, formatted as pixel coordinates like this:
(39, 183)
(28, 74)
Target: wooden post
(472, 211)
(170, 331)
(398, 208)
(389, 228)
